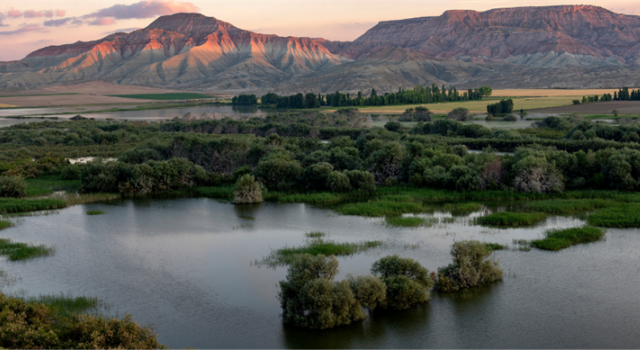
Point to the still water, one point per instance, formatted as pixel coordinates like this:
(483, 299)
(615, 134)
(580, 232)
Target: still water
(186, 267)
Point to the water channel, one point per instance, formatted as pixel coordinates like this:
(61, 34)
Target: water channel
(186, 266)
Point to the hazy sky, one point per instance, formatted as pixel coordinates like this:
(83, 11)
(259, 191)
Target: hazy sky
(28, 25)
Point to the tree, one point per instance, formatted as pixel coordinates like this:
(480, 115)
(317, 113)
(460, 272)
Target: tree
(485, 91)
(408, 283)
(338, 182)
(315, 176)
(247, 190)
(615, 112)
(471, 267)
(460, 114)
(13, 186)
(393, 126)
(361, 181)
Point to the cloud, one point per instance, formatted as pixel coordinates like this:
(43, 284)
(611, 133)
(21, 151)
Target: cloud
(14, 13)
(60, 13)
(26, 29)
(144, 9)
(58, 22)
(104, 21)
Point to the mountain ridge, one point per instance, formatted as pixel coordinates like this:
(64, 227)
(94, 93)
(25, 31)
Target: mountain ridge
(531, 46)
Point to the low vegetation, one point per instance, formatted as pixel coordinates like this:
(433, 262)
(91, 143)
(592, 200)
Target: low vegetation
(4, 224)
(568, 206)
(247, 190)
(95, 212)
(462, 208)
(379, 208)
(561, 239)
(627, 215)
(316, 247)
(36, 325)
(67, 305)
(16, 251)
(510, 219)
(167, 96)
(15, 205)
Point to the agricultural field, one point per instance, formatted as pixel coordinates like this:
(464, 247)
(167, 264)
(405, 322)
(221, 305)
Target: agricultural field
(167, 96)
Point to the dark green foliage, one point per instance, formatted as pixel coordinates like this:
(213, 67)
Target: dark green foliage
(471, 267)
(244, 100)
(278, 172)
(560, 239)
(12, 205)
(361, 181)
(71, 172)
(22, 251)
(35, 325)
(225, 192)
(315, 176)
(393, 126)
(12, 186)
(510, 219)
(95, 212)
(408, 283)
(247, 190)
(502, 107)
(462, 208)
(627, 215)
(510, 118)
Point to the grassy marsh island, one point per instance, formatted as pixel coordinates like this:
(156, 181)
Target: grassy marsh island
(508, 219)
(16, 251)
(561, 239)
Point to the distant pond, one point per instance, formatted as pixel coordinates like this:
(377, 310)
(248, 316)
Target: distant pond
(186, 266)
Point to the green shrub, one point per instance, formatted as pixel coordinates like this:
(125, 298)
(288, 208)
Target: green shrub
(13, 186)
(560, 239)
(315, 176)
(338, 182)
(408, 283)
(510, 219)
(471, 267)
(71, 172)
(34, 325)
(247, 190)
(362, 181)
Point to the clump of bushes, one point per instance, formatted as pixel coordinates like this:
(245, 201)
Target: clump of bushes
(247, 190)
(407, 282)
(561, 239)
(471, 267)
(13, 186)
(510, 219)
(460, 114)
(34, 325)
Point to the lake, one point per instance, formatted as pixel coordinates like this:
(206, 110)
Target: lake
(186, 266)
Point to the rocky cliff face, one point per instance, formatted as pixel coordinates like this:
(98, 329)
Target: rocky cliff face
(559, 46)
(534, 36)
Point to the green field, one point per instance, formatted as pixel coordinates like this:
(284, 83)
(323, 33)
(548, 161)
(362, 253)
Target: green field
(169, 96)
(68, 93)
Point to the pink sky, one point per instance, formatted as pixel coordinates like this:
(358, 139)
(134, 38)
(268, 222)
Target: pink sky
(30, 25)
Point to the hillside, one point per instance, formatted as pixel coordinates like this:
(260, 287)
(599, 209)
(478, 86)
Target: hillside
(528, 47)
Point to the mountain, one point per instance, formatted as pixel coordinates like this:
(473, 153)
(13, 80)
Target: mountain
(526, 47)
(535, 36)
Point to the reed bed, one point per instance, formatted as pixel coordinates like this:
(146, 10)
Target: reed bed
(569, 206)
(462, 208)
(67, 305)
(22, 251)
(560, 239)
(379, 208)
(627, 215)
(223, 192)
(317, 197)
(318, 246)
(84, 198)
(510, 219)
(15, 205)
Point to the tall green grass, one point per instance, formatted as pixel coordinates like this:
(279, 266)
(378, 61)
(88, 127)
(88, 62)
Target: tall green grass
(561, 239)
(569, 206)
(23, 251)
(404, 221)
(67, 305)
(95, 212)
(318, 197)
(462, 208)
(15, 205)
(318, 246)
(224, 192)
(379, 208)
(494, 246)
(510, 219)
(47, 184)
(627, 215)
(5, 224)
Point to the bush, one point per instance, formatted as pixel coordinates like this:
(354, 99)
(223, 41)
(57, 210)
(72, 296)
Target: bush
(316, 175)
(71, 172)
(460, 114)
(510, 118)
(393, 126)
(279, 174)
(408, 283)
(338, 182)
(13, 186)
(247, 190)
(361, 181)
(311, 299)
(471, 267)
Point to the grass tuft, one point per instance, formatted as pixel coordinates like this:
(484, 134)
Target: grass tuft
(561, 239)
(462, 208)
(23, 251)
(15, 205)
(315, 234)
(510, 219)
(495, 246)
(95, 212)
(318, 246)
